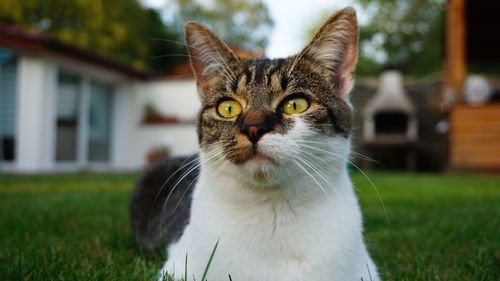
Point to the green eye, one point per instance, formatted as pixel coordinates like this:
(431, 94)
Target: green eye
(229, 108)
(295, 105)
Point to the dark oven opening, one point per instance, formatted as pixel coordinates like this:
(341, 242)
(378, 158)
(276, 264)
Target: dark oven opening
(391, 123)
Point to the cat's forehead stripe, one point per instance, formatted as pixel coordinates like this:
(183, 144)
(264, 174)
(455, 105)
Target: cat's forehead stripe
(273, 69)
(258, 73)
(242, 80)
(274, 83)
(260, 66)
(248, 74)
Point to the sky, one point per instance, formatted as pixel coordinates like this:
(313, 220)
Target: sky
(292, 19)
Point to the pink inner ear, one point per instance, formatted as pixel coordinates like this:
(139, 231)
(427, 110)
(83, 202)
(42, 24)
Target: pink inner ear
(334, 47)
(346, 82)
(345, 71)
(207, 53)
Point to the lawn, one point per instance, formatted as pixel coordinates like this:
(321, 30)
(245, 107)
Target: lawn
(76, 227)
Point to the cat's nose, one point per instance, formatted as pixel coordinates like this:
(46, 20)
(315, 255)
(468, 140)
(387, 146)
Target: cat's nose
(254, 131)
(256, 124)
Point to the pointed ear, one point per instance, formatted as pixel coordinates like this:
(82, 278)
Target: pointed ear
(335, 48)
(207, 53)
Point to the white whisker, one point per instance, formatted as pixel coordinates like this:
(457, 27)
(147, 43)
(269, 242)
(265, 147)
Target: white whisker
(360, 170)
(312, 177)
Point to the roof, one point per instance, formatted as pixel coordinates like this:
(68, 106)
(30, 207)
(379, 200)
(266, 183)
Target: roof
(16, 37)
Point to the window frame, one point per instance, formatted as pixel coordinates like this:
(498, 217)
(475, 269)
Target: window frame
(82, 146)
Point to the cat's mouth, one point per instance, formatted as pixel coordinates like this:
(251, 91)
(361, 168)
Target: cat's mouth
(253, 155)
(258, 164)
(245, 152)
(260, 157)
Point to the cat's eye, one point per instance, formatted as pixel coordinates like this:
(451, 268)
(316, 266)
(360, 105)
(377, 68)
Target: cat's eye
(295, 105)
(229, 108)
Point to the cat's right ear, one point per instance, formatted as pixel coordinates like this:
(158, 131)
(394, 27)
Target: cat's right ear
(207, 53)
(334, 47)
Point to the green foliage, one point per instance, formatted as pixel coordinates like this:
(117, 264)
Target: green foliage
(407, 34)
(76, 227)
(121, 29)
(401, 33)
(245, 23)
(127, 31)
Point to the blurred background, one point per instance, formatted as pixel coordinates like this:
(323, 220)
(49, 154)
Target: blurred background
(98, 89)
(106, 85)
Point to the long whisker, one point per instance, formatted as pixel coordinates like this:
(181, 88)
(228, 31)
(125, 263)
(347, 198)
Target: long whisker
(217, 161)
(362, 172)
(212, 155)
(353, 153)
(327, 163)
(315, 169)
(187, 173)
(183, 165)
(374, 188)
(312, 177)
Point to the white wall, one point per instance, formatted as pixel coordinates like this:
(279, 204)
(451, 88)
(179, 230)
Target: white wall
(31, 138)
(131, 139)
(172, 98)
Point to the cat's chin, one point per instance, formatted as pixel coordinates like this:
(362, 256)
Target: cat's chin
(260, 170)
(261, 159)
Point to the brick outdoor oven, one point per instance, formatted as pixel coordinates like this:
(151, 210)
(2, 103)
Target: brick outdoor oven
(390, 124)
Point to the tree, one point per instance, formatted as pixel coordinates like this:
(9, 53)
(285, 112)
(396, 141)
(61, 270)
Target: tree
(125, 30)
(404, 33)
(245, 23)
(121, 29)
(407, 34)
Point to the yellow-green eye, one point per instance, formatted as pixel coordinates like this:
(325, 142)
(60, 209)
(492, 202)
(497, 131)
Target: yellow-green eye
(295, 105)
(229, 108)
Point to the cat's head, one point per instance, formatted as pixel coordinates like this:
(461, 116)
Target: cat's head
(266, 118)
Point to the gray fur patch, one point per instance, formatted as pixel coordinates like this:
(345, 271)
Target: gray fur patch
(156, 222)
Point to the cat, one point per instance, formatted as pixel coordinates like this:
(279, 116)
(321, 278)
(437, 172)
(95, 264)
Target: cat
(270, 187)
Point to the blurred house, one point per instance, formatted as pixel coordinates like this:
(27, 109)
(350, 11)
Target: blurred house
(63, 108)
(472, 47)
(458, 112)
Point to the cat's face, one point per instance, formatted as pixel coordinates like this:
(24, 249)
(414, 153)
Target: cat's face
(265, 116)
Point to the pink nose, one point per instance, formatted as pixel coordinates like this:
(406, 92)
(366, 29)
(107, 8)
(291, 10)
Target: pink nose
(253, 131)
(256, 123)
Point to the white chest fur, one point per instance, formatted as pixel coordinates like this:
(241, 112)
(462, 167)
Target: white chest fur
(293, 233)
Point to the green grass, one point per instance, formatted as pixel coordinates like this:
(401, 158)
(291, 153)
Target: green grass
(76, 227)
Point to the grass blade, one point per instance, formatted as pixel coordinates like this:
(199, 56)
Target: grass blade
(210, 261)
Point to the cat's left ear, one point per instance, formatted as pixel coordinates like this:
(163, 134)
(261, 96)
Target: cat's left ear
(208, 55)
(334, 48)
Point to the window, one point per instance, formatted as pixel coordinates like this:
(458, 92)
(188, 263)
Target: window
(68, 111)
(99, 122)
(83, 122)
(8, 81)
